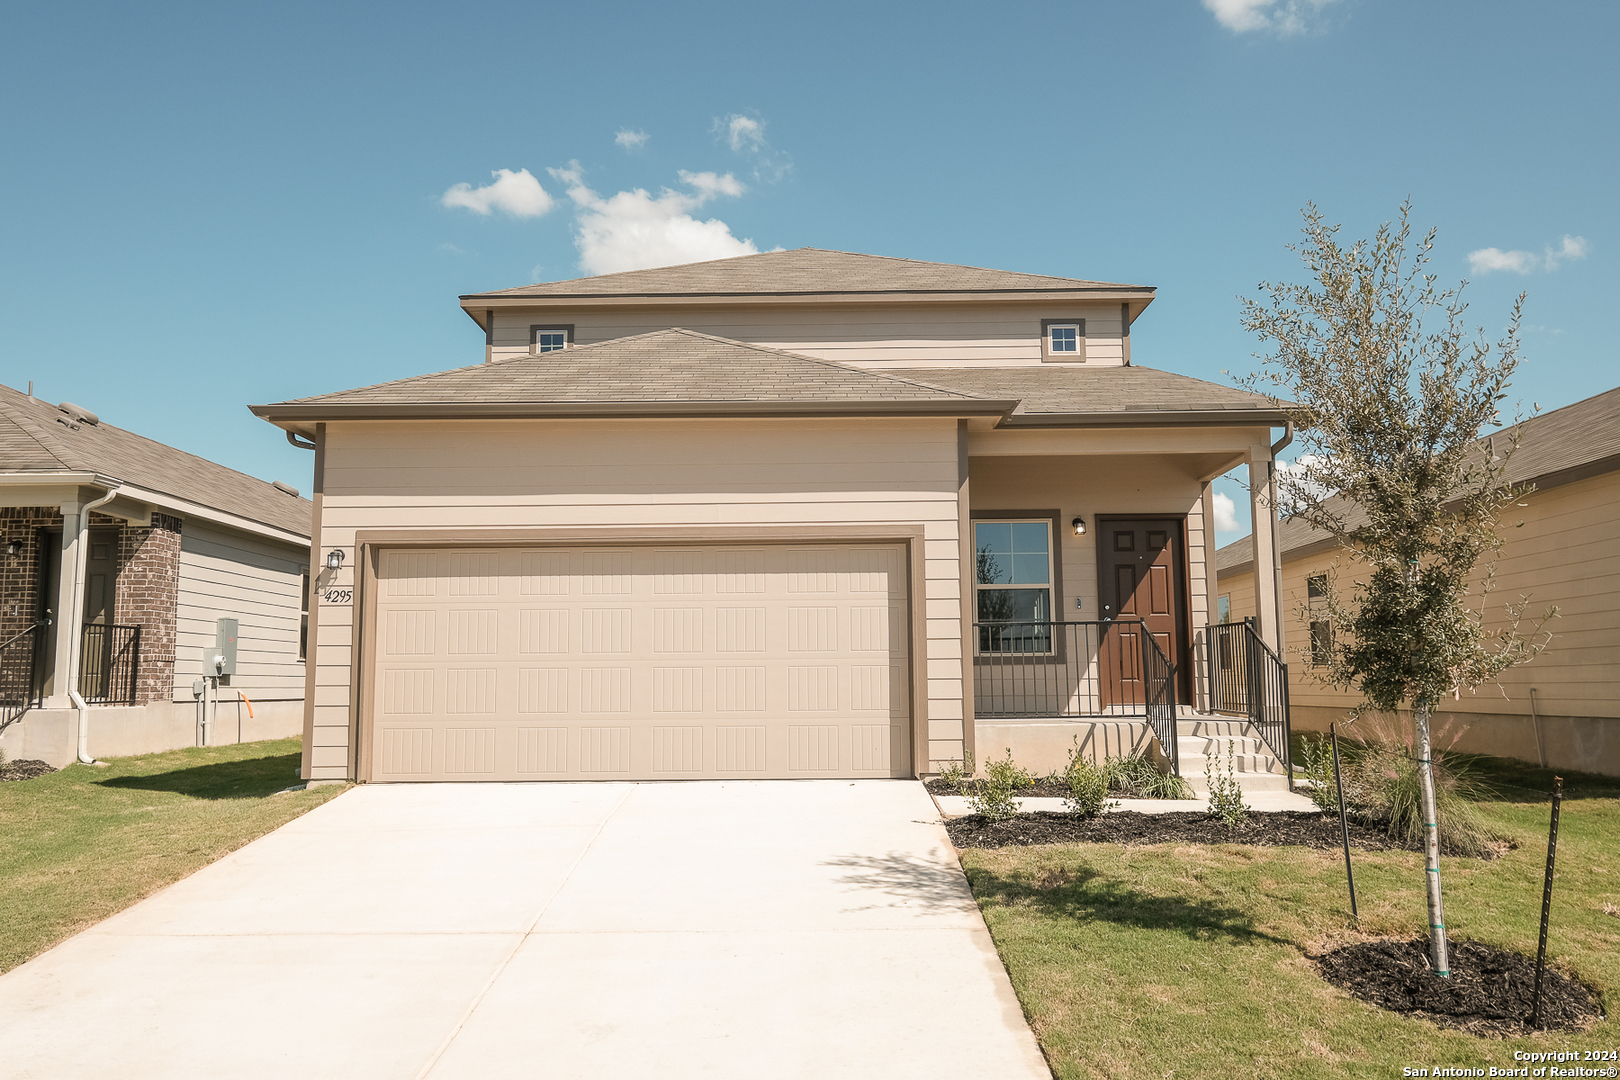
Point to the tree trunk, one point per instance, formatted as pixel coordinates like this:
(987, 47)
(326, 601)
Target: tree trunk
(1438, 953)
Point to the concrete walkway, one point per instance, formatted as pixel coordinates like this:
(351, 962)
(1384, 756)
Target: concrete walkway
(716, 929)
(957, 805)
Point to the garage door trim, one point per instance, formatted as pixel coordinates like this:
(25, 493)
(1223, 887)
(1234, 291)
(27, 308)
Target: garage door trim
(370, 543)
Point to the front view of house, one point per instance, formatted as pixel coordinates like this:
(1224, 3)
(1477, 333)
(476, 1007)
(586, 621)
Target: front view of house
(799, 514)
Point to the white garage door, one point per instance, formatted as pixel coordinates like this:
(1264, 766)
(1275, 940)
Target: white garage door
(641, 663)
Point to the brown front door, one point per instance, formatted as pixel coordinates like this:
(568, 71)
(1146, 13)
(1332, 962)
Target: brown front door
(1139, 577)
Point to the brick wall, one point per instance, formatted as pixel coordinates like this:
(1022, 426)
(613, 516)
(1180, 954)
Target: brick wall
(20, 574)
(147, 595)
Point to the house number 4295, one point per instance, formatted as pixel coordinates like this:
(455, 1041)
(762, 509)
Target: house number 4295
(340, 596)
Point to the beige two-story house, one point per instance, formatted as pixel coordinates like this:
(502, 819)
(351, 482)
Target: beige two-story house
(804, 513)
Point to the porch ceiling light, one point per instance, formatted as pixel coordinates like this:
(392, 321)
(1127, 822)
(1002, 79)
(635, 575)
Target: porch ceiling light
(334, 559)
(1079, 524)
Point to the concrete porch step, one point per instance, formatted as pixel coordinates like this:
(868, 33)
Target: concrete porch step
(1242, 765)
(1213, 726)
(1215, 746)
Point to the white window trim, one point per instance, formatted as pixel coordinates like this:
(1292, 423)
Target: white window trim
(535, 330)
(1078, 356)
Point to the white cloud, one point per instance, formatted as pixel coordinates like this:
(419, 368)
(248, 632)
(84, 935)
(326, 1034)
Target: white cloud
(742, 132)
(1225, 514)
(634, 230)
(516, 193)
(1488, 260)
(746, 136)
(1282, 17)
(630, 140)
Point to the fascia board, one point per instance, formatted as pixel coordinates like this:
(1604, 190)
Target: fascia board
(1146, 418)
(480, 302)
(134, 493)
(284, 414)
(187, 508)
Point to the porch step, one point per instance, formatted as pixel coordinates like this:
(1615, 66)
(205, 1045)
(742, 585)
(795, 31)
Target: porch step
(1202, 740)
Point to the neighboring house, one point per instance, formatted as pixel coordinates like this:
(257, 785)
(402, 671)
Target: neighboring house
(120, 555)
(1562, 708)
(804, 513)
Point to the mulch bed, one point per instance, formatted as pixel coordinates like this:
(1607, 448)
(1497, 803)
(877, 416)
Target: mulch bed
(24, 769)
(1300, 828)
(1490, 992)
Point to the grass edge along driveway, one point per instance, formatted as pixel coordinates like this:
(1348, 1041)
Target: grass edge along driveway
(1187, 960)
(85, 842)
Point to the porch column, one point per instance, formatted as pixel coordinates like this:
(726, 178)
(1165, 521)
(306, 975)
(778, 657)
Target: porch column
(1263, 514)
(67, 606)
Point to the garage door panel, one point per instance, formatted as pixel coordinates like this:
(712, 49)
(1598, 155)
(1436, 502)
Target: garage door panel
(641, 662)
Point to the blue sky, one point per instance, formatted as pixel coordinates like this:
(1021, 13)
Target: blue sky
(209, 206)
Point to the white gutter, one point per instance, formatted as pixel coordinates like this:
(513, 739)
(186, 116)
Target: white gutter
(73, 691)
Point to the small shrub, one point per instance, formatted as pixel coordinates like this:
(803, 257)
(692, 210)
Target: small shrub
(1009, 772)
(1088, 788)
(1139, 777)
(1225, 793)
(957, 774)
(993, 795)
(1381, 787)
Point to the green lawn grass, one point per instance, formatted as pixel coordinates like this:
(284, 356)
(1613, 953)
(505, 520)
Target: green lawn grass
(1193, 960)
(80, 844)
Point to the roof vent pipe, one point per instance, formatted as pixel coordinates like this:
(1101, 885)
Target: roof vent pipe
(288, 488)
(78, 413)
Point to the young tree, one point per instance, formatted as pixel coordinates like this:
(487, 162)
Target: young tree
(1389, 391)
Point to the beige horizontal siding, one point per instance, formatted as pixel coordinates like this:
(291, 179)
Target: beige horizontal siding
(258, 582)
(605, 474)
(1567, 553)
(966, 335)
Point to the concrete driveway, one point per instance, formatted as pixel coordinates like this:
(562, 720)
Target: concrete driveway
(714, 929)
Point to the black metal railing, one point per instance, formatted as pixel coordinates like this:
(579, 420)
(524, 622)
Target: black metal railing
(17, 686)
(1246, 678)
(1074, 670)
(109, 664)
(1161, 699)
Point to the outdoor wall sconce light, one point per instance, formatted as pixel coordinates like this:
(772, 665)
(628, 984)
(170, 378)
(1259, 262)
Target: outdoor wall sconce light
(13, 548)
(1079, 524)
(334, 559)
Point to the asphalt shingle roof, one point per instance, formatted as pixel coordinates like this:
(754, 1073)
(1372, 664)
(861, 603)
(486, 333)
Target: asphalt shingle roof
(680, 368)
(664, 366)
(32, 440)
(806, 271)
(1585, 433)
(1119, 391)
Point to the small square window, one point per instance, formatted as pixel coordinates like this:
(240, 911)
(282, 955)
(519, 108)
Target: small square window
(544, 339)
(1063, 340)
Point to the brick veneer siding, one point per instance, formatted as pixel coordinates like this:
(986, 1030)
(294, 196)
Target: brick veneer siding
(19, 579)
(147, 595)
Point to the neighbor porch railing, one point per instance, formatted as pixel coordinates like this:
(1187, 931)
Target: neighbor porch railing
(1103, 670)
(109, 665)
(17, 660)
(1246, 678)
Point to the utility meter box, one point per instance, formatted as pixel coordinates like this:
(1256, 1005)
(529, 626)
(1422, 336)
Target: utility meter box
(221, 659)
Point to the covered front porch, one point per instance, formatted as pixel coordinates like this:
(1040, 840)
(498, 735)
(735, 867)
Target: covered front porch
(1092, 595)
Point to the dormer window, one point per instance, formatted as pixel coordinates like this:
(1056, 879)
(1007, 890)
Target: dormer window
(1063, 339)
(544, 339)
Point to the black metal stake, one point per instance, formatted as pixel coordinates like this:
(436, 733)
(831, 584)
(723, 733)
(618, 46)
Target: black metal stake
(1546, 898)
(1344, 823)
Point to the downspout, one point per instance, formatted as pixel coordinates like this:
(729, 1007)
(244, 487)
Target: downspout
(73, 691)
(1276, 533)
